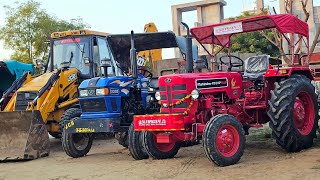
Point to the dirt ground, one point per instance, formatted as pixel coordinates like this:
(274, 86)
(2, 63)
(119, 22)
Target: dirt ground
(263, 159)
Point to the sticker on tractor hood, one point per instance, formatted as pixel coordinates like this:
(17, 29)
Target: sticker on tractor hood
(211, 83)
(152, 122)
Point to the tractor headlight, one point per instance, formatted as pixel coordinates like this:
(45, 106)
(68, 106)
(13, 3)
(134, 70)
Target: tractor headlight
(157, 96)
(83, 93)
(195, 94)
(102, 91)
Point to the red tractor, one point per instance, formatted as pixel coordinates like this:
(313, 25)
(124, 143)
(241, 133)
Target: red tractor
(220, 107)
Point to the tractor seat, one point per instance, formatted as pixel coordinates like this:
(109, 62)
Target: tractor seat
(255, 67)
(154, 83)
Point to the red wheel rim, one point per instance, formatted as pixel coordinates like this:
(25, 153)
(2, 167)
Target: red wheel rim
(303, 113)
(163, 147)
(227, 140)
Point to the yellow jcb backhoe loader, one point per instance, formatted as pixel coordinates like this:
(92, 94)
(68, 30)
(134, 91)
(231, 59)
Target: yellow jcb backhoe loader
(34, 106)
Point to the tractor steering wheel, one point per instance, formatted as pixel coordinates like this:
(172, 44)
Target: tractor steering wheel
(146, 73)
(231, 64)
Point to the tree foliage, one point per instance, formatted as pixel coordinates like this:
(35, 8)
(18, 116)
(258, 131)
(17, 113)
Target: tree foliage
(27, 28)
(253, 42)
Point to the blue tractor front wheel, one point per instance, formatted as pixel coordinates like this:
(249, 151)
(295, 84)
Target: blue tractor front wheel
(75, 144)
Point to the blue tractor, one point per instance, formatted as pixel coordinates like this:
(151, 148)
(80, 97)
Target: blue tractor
(108, 103)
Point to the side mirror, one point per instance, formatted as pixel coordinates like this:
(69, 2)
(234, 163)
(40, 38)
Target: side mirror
(86, 61)
(39, 63)
(105, 62)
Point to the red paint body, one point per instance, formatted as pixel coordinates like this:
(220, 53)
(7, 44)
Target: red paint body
(224, 92)
(236, 97)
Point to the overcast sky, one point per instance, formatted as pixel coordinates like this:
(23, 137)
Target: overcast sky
(122, 16)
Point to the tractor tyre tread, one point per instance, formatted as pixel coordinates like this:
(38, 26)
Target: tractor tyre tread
(209, 136)
(153, 151)
(135, 144)
(67, 143)
(281, 113)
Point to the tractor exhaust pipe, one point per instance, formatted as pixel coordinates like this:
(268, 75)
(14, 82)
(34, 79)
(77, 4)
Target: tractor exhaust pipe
(189, 57)
(133, 59)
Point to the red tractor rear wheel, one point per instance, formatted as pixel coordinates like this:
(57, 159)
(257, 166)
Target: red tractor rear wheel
(293, 113)
(224, 140)
(159, 150)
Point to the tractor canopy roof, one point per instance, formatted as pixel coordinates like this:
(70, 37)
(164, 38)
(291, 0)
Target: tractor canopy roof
(120, 44)
(221, 33)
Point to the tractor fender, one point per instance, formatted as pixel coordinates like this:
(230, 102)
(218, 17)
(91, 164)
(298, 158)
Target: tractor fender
(287, 72)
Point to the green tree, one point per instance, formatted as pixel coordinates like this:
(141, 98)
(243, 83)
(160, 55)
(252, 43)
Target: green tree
(253, 42)
(27, 28)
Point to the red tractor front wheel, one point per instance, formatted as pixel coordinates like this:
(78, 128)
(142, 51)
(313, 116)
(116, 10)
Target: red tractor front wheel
(294, 113)
(159, 150)
(224, 140)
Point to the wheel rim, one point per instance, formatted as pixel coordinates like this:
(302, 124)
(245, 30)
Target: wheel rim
(80, 141)
(227, 140)
(163, 147)
(303, 113)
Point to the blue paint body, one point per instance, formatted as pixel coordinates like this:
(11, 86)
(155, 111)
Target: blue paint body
(119, 87)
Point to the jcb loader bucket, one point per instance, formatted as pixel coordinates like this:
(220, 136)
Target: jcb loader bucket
(23, 136)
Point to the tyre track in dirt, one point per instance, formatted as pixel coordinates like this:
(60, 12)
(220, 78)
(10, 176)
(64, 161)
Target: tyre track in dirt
(108, 160)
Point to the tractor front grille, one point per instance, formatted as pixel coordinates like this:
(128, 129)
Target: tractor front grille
(172, 95)
(23, 98)
(93, 105)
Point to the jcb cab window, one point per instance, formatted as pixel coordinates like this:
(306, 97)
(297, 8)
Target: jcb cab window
(71, 50)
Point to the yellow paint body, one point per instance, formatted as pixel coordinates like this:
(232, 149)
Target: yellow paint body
(151, 55)
(60, 96)
(54, 101)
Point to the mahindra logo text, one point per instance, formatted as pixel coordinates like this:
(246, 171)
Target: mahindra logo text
(211, 83)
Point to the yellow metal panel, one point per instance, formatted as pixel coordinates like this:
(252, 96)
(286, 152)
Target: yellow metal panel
(83, 32)
(151, 55)
(35, 84)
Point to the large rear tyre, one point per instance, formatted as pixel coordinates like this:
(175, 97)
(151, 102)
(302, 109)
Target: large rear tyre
(135, 143)
(77, 144)
(159, 150)
(224, 140)
(293, 113)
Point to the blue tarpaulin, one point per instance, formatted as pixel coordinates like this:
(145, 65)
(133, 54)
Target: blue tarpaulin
(10, 70)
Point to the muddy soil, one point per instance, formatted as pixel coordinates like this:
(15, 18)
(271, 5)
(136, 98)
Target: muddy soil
(262, 159)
